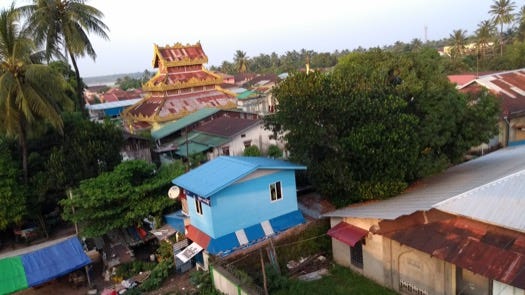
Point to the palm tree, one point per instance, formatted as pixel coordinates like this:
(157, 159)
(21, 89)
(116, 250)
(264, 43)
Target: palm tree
(241, 61)
(29, 93)
(416, 45)
(521, 23)
(502, 12)
(458, 39)
(65, 24)
(484, 34)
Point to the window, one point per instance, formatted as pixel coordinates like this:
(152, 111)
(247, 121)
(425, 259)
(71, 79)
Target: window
(226, 150)
(243, 135)
(356, 254)
(275, 191)
(247, 143)
(198, 206)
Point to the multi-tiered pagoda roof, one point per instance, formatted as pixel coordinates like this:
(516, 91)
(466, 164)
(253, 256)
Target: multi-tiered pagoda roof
(181, 86)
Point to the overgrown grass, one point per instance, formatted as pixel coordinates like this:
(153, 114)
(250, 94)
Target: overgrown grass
(341, 280)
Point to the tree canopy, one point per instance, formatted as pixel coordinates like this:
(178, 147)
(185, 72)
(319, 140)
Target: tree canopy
(378, 121)
(121, 198)
(12, 192)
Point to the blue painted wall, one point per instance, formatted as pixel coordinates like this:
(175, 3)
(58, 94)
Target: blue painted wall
(113, 111)
(242, 205)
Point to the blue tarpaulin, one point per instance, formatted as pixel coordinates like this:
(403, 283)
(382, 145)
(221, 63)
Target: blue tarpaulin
(54, 261)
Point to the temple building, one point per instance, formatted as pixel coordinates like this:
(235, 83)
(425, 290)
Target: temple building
(180, 87)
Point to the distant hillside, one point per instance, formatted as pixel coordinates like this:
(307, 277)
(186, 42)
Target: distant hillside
(109, 79)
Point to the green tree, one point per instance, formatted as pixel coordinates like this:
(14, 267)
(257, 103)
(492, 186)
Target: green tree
(484, 35)
(378, 122)
(502, 14)
(252, 151)
(127, 83)
(65, 24)
(274, 152)
(521, 24)
(29, 93)
(241, 61)
(12, 192)
(458, 39)
(84, 151)
(121, 198)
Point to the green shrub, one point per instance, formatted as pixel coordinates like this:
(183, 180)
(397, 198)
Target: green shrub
(202, 280)
(130, 269)
(158, 275)
(252, 151)
(274, 151)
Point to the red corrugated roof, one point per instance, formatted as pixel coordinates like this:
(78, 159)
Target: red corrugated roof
(347, 233)
(491, 251)
(461, 79)
(197, 236)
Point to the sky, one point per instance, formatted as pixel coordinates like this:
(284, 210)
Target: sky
(266, 26)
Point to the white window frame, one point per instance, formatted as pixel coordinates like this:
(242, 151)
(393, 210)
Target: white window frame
(276, 191)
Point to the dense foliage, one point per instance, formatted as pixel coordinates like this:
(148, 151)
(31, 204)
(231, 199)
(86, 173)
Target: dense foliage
(379, 121)
(120, 198)
(12, 192)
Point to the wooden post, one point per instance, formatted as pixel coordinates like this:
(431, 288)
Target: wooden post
(263, 272)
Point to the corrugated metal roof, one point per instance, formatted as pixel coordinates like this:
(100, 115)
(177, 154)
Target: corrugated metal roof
(436, 189)
(191, 149)
(500, 202)
(219, 173)
(347, 233)
(228, 126)
(246, 94)
(491, 251)
(113, 104)
(192, 118)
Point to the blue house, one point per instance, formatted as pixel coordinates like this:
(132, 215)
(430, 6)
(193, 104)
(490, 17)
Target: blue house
(233, 202)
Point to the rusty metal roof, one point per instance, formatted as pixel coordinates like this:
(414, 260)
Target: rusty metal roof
(228, 126)
(508, 86)
(491, 251)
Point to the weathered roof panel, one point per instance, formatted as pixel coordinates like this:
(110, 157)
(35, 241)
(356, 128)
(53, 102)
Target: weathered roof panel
(500, 202)
(435, 189)
(482, 248)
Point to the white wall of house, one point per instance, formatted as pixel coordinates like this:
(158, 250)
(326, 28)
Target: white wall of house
(373, 251)
(256, 135)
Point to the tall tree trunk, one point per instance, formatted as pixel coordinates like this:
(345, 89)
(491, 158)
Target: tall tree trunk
(80, 90)
(501, 39)
(22, 141)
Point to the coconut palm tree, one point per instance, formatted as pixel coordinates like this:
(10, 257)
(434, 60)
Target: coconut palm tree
(502, 14)
(521, 23)
(65, 24)
(29, 93)
(458, 39)
(484, 34)
(241, 61)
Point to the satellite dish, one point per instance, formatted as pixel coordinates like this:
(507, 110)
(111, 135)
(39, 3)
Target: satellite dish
(174, 192)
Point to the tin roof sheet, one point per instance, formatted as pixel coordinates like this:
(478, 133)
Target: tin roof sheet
(500, 202)
(175, 126)
(438, 188)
